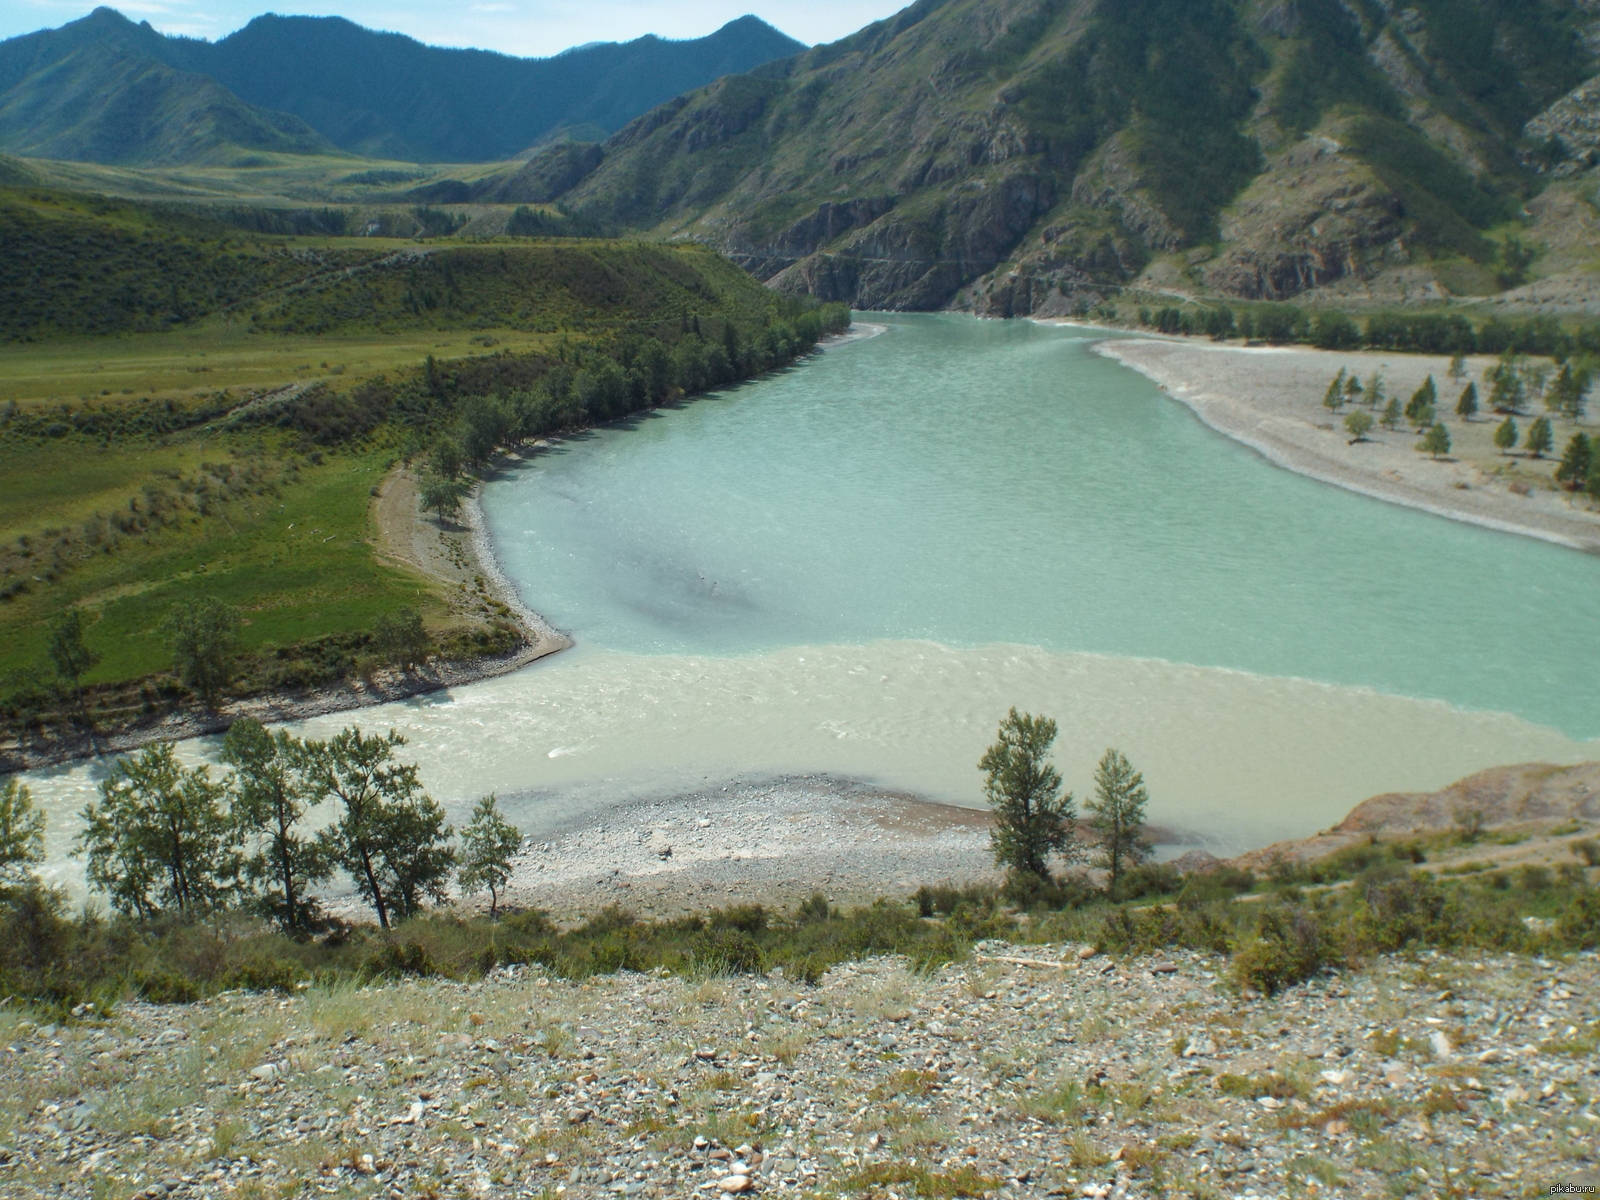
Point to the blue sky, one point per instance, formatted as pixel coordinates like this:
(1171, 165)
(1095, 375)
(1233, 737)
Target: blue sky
(528, 27)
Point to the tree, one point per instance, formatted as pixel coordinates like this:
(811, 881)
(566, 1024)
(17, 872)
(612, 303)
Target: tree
(1568, 395)
(1540, 437)
(1116, 814)
(270, 798)
(1505, 387)
(1574, 468)
(1420, 408)
(1505, 435)
(1467, 406)
(390, 834)
(443, 495)
(1375, 392)
(21, 833)
(1391, 414)
(159, 839)
(399, 638)
(487, 844)
(446, 458)
(1535, 377)
(1437, 441)
(1333, 398)
(71, 657)
(1032, 817)
(202, 632)
(1352, 387)
(1359, 424)
(1458, 367)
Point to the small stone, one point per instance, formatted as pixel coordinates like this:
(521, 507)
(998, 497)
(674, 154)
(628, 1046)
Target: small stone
(735, 1183)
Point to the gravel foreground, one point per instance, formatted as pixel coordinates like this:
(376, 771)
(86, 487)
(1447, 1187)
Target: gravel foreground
(1025, 1071)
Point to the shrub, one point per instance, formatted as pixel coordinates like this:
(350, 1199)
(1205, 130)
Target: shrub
(1289, 946)
(394, 959)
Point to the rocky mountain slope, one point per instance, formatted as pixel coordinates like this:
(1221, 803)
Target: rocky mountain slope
(103, 89)
(1034, 156)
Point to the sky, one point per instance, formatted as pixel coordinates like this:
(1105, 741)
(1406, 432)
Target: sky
(526, 27)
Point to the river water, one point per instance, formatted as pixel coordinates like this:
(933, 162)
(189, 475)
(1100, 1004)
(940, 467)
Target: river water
(856, 566)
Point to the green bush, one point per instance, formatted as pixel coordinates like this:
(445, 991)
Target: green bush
(1288, 946)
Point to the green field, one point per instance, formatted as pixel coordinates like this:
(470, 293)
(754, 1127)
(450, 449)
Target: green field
(149, 451)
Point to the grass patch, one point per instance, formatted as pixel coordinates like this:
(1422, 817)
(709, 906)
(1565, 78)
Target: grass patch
(918, 1180)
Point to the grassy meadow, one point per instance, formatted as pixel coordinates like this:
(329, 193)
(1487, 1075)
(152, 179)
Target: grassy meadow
(188, 409)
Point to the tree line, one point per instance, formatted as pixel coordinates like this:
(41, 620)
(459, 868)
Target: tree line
(1417, 333)
(592, 384)
(164, 839)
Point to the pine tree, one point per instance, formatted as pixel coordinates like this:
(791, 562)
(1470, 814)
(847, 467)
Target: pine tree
(1540, 437)
(1375, 392)
(1574, 468)
(1437, 441)
(487, 844)
(1032, 818)
(1467, 406)
(1333, 398)
(1505, 435)
(1419, 409)
(1458, 367)
(1116, 814)
(1352, 387)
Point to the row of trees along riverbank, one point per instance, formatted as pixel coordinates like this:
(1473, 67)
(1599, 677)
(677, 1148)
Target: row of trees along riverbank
(1417, 333)
(210, 882)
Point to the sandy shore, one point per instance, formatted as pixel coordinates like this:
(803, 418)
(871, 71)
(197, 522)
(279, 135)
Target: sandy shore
(1270, 398)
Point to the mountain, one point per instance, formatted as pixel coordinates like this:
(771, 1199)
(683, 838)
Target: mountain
(97, 91)
(1017, 156)
(104, 89)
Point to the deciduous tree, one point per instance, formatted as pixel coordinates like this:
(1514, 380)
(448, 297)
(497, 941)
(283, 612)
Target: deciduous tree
(21, 834)
(1359, 424)
(390, 836)
(159, 839)
(487, 846)
(202, 632)
(271, 796)
(399, 638)
(69, 654)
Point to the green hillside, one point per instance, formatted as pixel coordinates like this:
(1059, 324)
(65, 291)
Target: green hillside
(1036, 155)
(100, 101)
(189, 411)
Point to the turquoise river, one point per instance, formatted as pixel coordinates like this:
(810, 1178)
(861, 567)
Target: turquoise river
(857, 565)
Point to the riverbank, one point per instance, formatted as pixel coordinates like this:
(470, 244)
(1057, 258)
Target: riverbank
(1270, 399)
(455, 558)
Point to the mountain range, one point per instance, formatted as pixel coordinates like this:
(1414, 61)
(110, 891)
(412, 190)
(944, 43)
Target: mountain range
(1031, 156)
(104, 89)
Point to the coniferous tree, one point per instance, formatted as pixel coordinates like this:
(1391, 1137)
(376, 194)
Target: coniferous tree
(487, 846)
(159, 839)
(1467, 406)
(1540, 437)
(1420, 408)
(1576, 462)
(1374, 390)
(1505, 435)
(1032, 818)
(1458, 367)
(1333, 399)
(1116, 814)
(271, 796)
(1391, 414)
(1437, 441)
